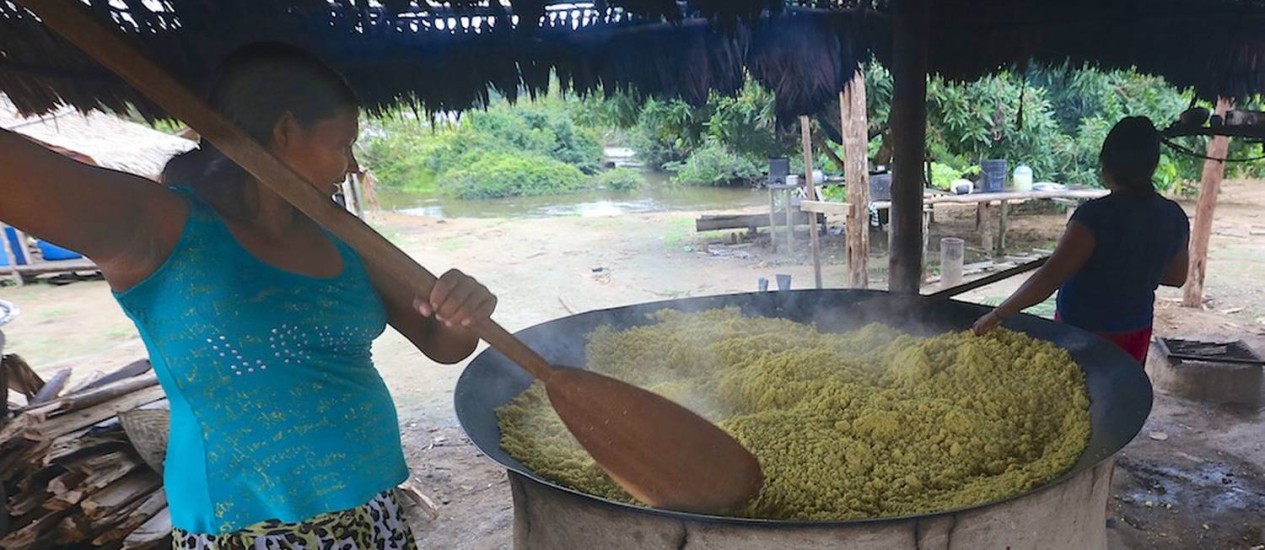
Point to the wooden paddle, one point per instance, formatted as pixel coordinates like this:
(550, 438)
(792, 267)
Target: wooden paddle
(660, 452)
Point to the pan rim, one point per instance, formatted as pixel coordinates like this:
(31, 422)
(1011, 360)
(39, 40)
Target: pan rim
(1086, 461)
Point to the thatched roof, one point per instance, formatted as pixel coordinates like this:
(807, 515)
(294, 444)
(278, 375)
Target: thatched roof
(1215, 47)
(97, 138)
(452, 56)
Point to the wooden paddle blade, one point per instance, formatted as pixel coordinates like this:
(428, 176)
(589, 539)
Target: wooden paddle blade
(660, 452)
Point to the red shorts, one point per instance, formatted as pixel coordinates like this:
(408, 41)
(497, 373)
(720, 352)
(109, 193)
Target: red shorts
(1136, 342)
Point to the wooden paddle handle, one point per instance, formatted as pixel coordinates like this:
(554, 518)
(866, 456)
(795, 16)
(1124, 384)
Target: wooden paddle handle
(73, 21)
(985, 281)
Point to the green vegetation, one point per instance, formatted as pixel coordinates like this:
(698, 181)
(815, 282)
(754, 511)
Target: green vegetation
(528, 149)
(943, 175)
(715, 164)
(620, 179)
(502, 174)
(1053, 120)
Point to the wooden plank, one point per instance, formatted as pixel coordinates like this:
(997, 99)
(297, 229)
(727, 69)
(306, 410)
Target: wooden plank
(825, 207)
(806, 142)
(71, 530)
(741, 221)
(981, 198)
(36, 530)
(147, 509)
(134, 368)
(1201, 232)
(67, 445)
(855, 126)
(88, 380)
(80, 419)
(105, 393)
(104, 473)
(970, 198)
(151, 533)
(43, 268)
(52, 388)
(133, 488)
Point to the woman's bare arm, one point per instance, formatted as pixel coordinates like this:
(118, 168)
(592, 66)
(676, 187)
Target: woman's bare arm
(125, 223)
(1178, 268)
(1073, 250)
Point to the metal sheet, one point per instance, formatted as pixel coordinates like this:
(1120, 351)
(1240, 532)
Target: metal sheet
(1120, 392)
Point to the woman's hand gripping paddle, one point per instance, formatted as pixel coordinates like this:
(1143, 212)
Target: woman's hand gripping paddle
(660, 452)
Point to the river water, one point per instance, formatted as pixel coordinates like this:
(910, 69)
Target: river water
(655, 195)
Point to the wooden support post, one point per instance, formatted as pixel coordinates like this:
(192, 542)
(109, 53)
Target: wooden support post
(926, 230)
(772, 219)
(348, 196)
(855, 125)
(790, 222)
(806, 140)
(358, 188)
(986, 227)
(1201, 233)
(952, 254)
(910, 28)
(1002, 226)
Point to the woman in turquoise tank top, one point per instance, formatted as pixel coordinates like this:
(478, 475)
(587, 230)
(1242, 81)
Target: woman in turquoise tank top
(258, 322)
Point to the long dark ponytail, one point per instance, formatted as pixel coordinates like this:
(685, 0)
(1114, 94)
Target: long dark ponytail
(254, 87)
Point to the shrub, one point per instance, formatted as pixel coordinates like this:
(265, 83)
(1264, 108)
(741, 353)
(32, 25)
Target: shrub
(717, 165)
(620, 179)
(508, 174)
(409, 153)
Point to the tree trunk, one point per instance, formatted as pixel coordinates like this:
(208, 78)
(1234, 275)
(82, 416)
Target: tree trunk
(1201, 233)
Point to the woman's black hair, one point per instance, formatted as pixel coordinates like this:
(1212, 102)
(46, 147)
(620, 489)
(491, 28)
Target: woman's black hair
(1130, 154)
(254, 87)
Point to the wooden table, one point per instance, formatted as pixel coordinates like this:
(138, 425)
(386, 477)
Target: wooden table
(984, 203)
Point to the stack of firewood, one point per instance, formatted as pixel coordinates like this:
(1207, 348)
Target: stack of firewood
(69, 475)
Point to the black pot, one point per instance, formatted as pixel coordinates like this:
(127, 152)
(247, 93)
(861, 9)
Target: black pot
(1120, 392)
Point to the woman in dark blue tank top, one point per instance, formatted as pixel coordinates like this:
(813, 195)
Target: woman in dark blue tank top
(1116, 250)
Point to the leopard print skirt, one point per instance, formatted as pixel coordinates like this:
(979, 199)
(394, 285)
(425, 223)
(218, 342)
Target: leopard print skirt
(376, 525)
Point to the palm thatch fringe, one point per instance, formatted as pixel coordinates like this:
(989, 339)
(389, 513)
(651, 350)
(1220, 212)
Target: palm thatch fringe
(454, 57)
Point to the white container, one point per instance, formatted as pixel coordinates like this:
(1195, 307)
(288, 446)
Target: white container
(1022, 178)
(962, 186)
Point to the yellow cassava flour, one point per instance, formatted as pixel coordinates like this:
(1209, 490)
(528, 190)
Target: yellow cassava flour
(866, 424)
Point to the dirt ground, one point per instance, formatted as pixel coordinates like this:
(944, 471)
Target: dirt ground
(1203, 486)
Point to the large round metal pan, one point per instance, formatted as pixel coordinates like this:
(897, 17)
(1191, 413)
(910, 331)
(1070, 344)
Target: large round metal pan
(1120, 391)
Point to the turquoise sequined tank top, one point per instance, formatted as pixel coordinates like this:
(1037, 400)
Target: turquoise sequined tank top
(277, 411)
